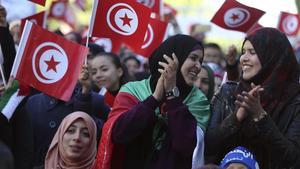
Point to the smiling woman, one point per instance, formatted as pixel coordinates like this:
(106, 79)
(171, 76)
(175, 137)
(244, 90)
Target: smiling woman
(261, 112)
(159, 122)
(74, 144)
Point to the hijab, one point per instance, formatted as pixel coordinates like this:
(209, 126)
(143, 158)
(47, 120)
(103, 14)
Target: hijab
(211, 83)
(182, 46)
(56, 156)
(280, 72)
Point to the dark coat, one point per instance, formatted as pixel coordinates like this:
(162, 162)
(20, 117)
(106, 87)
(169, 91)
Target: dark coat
(47, 113)
(276, 144)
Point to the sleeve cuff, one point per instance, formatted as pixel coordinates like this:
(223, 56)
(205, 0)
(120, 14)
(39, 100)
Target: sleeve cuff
(151, 102)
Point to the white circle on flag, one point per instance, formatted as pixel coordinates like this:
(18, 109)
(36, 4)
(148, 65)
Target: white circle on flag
(148, 3)
(235, 17)
(122, 19)
(49, 62)
(148, 37)
(58, 9)
(290, 24)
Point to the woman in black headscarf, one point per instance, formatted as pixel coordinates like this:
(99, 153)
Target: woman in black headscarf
(159, 122)
(261, 112)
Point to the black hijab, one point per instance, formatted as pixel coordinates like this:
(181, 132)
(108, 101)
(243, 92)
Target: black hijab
(182, 46)
(280, 72)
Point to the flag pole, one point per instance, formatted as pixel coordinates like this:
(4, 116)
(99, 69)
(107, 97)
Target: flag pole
(2, 73)
(91, 25)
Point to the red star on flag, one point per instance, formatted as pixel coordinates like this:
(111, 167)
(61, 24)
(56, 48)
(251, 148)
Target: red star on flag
(126, 20)
(51, 64)
(234, 17)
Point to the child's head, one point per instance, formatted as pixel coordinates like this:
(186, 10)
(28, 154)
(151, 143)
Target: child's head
(240, 158)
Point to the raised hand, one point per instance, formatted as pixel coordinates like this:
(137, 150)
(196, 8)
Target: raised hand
(169, 71)
(84, 79)
(231, 54)
(249, 102)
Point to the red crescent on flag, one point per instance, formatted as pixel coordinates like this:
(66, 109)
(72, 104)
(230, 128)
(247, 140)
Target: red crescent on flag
(148, 37)
(242, 15)
(40, 52)
(111, 18)
(36, 61)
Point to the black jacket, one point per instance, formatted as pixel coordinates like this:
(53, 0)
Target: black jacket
(276, 144)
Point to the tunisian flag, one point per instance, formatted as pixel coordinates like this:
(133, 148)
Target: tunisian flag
(154, 36)
(120, 20)
(48, 62)
(39, 19)
(236, 16)
(40, 2)
(61, 10)
(156, 6)
(289, 23)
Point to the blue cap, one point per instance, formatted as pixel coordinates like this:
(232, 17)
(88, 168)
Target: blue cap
(240, 155)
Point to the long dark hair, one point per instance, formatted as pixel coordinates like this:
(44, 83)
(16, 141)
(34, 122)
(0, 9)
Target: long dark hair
(280, 72)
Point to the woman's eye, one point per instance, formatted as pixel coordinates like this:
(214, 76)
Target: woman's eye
(70, 131)
(194, 58)
(86, 134)
(252, 52)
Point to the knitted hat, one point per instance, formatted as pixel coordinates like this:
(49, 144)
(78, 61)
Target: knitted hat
(239, 155)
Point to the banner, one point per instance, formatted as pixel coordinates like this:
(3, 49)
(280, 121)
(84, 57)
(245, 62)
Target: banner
(48, 62)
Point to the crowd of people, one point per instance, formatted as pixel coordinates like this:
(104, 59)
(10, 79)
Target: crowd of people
(189, 106)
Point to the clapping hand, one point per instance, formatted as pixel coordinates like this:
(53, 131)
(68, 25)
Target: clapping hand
(169, 72)
(249, 102)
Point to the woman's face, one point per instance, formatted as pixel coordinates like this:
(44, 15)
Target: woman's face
(192, 66)
(105, 73)
(132, 66)
(203, 81)
(76, 140)
(249, 61)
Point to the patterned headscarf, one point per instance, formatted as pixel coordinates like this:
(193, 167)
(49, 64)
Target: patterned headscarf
(280, 72)
(56, 156)
(182, 46)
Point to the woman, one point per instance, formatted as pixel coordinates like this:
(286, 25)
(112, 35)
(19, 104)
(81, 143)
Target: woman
(206, 81)
(108, 74)
(74, 144)
(264, 118)
(159, 122)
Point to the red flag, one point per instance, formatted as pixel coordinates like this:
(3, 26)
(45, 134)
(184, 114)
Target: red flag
(236, 16)
(154, 36)
(289, 23)
(155, 5)
(39, 19)
(254, 28)
(61, 10)
(48, 62)
(40, 2)
(120, 20)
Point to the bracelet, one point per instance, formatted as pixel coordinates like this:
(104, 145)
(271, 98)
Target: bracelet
(261, 116)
